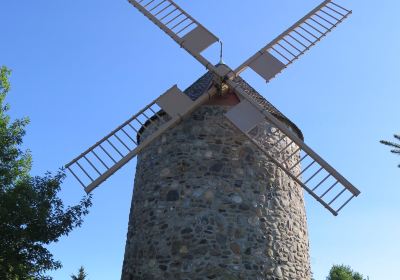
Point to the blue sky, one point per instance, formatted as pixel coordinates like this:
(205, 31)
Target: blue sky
(80, 68)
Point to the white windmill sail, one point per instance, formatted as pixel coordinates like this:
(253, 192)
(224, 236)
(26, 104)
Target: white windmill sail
(179, 25)
(295, 41)
(317, 177)
(104, 158)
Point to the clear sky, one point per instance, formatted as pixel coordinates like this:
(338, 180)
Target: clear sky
(80, 68)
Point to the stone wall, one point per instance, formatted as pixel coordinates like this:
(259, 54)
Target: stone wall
(208, 204)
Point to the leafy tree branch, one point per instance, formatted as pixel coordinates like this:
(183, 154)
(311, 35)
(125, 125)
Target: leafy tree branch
(32, 215)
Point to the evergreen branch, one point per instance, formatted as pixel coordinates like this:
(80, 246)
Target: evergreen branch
(388, 143)
(394, 145)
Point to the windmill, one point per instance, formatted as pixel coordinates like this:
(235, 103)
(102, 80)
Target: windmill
(280, 142)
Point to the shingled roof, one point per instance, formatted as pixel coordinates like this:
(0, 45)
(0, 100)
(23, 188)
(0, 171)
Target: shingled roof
(201, 85)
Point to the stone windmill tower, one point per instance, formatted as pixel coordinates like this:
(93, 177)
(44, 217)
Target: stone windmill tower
(221, 172)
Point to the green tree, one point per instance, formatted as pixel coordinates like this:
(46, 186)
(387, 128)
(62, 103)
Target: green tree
(343, 272)
(340, 272)
(81, 274)
(32, 215)
(395, 146)
(357, 276)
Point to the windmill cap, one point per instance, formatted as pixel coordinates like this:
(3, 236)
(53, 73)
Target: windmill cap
(201, 85)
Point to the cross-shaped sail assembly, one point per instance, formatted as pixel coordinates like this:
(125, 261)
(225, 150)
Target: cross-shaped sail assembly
(317, 177)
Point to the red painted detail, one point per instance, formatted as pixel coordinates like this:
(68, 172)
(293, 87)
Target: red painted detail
(229, 99)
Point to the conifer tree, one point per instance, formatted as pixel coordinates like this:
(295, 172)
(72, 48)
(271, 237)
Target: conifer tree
(81, 274)
(395, 146)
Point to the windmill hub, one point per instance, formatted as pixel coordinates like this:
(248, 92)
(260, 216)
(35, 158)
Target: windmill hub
(224, 71)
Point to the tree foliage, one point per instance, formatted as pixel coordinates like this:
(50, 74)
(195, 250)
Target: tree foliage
(81, 274)
(32, 215)
(343, 272)
(395, 146)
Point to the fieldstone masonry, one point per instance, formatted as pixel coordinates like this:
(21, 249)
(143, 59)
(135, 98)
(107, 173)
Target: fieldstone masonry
(208, 204)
